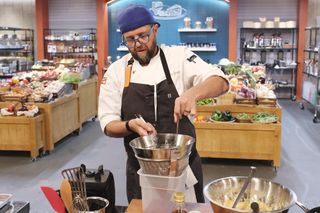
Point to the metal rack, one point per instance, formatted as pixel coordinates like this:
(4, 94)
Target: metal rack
(311, 72)
(70, 43)
(16, 50)
(279, 58)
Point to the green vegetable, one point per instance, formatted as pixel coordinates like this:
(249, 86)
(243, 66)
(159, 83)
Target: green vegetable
(232, 69)
(264, 117)
(243, 116)
(226, 116)
(70, 77)
(221, 116)
(217, 116)
(205, 101)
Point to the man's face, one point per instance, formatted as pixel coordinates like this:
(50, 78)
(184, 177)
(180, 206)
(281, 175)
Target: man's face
(142, 43)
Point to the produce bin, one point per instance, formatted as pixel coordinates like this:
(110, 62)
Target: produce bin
(88, 99)
(61, 118)
(22, 134)
(239, 140)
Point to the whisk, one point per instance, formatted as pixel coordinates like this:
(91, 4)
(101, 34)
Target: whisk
(76, 178)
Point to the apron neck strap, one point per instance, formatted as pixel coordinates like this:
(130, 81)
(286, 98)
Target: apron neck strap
(165, 67)
(128, 72)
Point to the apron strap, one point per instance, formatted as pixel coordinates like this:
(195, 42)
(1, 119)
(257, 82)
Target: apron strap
(128, 72)
(165, 67)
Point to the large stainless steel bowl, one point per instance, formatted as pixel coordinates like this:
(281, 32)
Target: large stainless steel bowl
(269, 195)
(162, 146)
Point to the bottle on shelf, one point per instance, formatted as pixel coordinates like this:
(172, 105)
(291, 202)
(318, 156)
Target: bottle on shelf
(179, 203)
(280, 55)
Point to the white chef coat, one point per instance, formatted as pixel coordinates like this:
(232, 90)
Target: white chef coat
(186, 70)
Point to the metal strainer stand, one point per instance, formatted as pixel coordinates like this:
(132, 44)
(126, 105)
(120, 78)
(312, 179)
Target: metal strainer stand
(76, 178)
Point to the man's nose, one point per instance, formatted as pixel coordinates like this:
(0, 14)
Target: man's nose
(137, 43)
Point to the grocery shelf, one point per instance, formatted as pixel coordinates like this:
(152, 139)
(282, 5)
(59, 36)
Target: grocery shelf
(122, 49)
(204, 49)
(187, 30)
(284, 68)
(273, 28)
(311, 63)
(269, 48)
(285, 85)
(311, 74)
(311, 50)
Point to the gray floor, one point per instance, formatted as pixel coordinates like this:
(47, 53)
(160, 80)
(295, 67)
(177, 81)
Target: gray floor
(300, 159)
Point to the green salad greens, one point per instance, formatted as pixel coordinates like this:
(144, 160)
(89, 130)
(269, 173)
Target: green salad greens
(243, 116)
(264, 117)
(205, 101)
(222, 116)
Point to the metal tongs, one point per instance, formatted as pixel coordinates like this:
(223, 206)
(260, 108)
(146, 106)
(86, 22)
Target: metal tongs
(140, 117)
(245, 186)
(153, 137)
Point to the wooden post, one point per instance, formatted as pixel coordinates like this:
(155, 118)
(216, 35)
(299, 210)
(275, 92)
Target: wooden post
(42, 22)
(302, 20)
(102, 36)
(233, 26)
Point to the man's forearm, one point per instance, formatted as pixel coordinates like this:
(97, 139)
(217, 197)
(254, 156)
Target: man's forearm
(210, 88)
(116, 129)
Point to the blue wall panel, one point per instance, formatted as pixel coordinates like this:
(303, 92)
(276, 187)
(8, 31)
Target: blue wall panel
(168, 32)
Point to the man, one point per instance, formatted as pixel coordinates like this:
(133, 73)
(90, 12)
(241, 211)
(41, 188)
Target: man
(161, 84)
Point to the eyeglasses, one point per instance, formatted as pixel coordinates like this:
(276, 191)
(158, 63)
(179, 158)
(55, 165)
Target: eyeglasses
(142, 39)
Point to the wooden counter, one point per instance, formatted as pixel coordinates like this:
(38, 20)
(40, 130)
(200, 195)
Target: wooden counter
(22, 134)
(61, 118)
(67, 114)
(88, 99)
(239, 140)
(135, 206)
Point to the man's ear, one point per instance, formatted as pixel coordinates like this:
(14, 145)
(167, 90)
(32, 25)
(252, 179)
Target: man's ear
(155, 28)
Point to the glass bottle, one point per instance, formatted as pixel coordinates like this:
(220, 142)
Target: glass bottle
(179, 203)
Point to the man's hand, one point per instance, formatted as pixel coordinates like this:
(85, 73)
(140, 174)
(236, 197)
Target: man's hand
(141, 127)
(184, 105)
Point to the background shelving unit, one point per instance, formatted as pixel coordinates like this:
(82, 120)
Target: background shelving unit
(175, 30)
(311, 75)
(71, 43)
(187, 30)
(199, 47)
(276, 49)
(16, 50)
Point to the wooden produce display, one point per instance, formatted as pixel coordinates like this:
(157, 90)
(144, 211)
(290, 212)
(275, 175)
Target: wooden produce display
(255, 141)
(88, 99)
(22, 134)
(61, 118)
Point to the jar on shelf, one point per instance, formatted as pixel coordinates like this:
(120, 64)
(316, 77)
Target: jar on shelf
(197, 25)
(209, 22)
(187, 22)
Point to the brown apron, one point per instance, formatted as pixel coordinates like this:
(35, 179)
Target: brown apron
(139, 99)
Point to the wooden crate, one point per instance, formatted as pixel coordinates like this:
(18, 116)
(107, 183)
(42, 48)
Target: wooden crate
(22, 134)
(248, 101)
(61, 118)
(267, 101)
(88, 99)
(227, 98)
(239, 140)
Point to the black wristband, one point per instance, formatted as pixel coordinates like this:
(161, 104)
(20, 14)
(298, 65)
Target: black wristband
(128, 127)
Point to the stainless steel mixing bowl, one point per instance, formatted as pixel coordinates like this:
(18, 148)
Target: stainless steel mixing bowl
(222, 193)
(162, 146)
